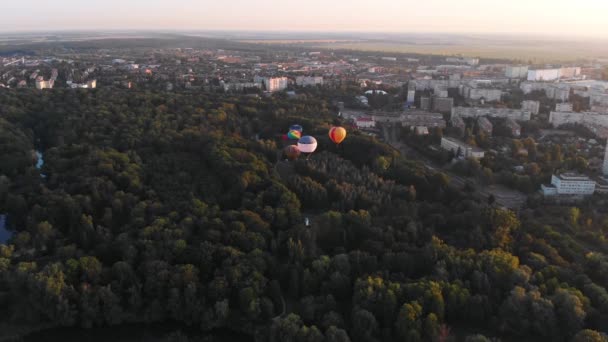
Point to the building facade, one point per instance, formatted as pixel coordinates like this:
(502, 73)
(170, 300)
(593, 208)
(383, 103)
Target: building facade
(531, 106)
(506, 113)
(309, 81)
(516, 71)
(461, 149)
(569, 184)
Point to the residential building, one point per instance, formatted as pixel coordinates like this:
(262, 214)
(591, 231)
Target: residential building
(594, 121)
(411, 95)
(569, 184)
(274, 84)
(478, 92)
(516, 71)
(563, 107)
(553, 74)
(458, 123)
(308, 81)
(461, 149)
(442, 104)
(485, 125)
(555, 91)
(514, 127)
(363, 100)
(42, 84)
(365, 122)
(239, 86)
(506, 113)
(531, 106)
(425, 103)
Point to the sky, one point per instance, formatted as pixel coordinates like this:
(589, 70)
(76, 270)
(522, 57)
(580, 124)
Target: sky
(541, 17)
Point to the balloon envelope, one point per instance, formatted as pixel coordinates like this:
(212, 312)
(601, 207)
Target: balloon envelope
(291, 152)
(307, 144)
(296, 128)
(337, 134)
(294, 135)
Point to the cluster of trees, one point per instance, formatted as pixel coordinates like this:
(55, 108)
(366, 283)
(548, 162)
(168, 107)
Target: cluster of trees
(174, 207)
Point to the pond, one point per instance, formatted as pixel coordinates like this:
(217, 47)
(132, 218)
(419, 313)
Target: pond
(4, 233)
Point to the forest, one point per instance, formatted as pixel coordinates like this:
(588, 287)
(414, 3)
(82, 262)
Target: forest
(179, 207)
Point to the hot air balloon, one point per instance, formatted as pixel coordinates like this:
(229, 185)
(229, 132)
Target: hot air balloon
(296, 128)
(307, 144)
(294, 135)
(337, 134)
(292, 152)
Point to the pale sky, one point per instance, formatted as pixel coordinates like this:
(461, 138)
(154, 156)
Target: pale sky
(544, 17)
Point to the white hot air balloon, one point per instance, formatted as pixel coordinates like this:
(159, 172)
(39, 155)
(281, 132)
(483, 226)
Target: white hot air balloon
(307, 144)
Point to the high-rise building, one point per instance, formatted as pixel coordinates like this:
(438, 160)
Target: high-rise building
(411, 95)
(275, 83)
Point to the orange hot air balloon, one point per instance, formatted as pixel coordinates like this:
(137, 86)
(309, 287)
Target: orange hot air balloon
(292, 152)
(337, 134)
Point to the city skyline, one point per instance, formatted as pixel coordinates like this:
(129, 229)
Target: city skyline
(543, 17)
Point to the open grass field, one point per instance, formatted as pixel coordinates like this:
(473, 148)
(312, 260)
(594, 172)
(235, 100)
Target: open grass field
(526, 51)
(296, 41)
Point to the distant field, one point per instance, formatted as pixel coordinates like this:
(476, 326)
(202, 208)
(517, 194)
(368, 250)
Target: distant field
(295, 41)
(541, 52)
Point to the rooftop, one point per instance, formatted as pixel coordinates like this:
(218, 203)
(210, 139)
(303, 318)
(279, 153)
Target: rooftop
(571, 176)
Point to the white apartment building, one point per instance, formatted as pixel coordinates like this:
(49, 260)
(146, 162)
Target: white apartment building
(531, 106)
(411, 95)
(308, 81)
(543, 75)
(563, 107)
(42, 84)
(365, 122)
(488, 94)
(507, 113)
(556, 91)
(516, 71)
(553, 74)
(569, 184)
(274, 84)
(596, 122)
(457, 146)
(239, 86)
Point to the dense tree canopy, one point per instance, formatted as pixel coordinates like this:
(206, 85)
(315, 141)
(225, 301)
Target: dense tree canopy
(155, 207)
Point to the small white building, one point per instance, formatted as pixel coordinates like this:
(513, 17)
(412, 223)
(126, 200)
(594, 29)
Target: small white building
(569, 184)
(365, 122)
(461, 149)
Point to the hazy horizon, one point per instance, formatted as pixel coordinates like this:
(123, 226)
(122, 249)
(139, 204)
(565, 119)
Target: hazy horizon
(550, 18)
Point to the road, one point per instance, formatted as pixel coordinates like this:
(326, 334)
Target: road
(503, 196)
